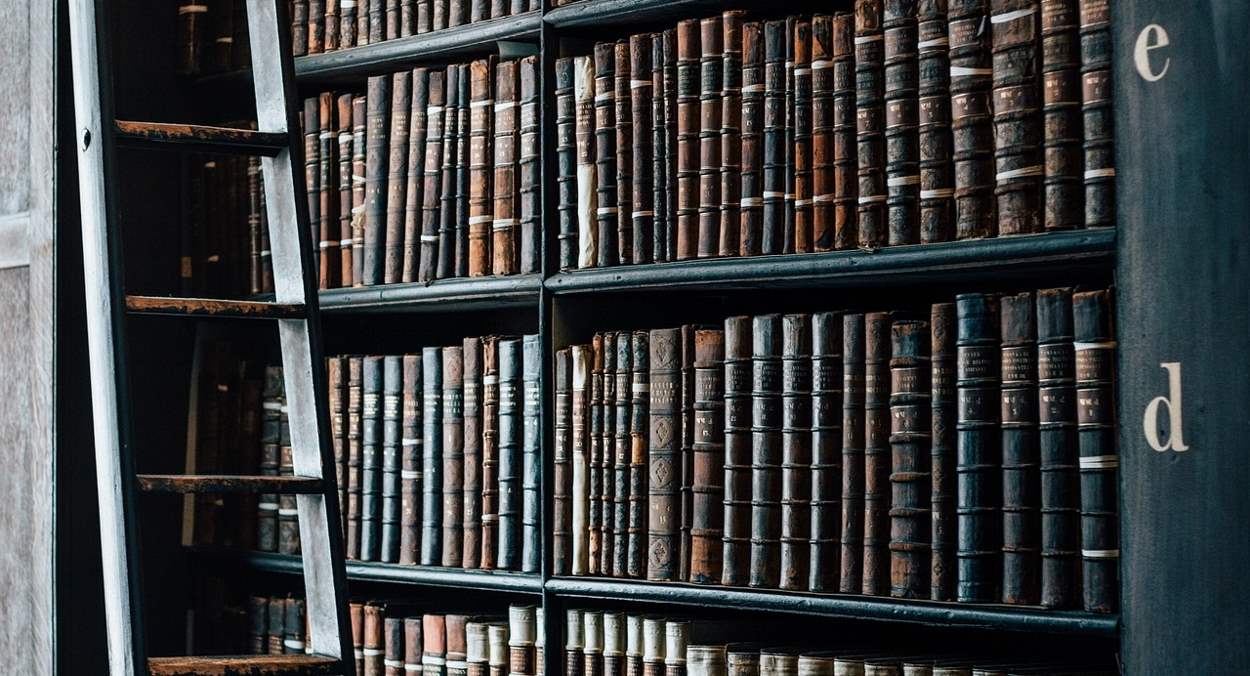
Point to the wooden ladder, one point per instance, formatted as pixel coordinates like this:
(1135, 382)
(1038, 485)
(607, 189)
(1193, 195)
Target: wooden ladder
(294, 309)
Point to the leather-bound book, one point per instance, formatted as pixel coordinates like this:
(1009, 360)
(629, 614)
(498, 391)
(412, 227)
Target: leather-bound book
(817, 664)
(581, 360)
(599, 382)
(414, 645)
(432, 456)
(258, 625)
(652, 646)
(522, 630)
(634, 628)
(971, 118)
(336, 377)
(663, 459)
(1017, 102)
(765, 450)
(587, 171)
(293, 638)
(687, 450)
(902, 119)
(601, 505)
(355, 405)
(192, 18)
(742, 659)
(360, 169)
(736, 552)
(343, 229)
(845, 135)
(531, 443)
(870, 123)
(796, 439)
(376, 156)
(471, 549)
(566, 163)
(1094, 342)
(457, 13)
(374, 643)
(937, 177)
(479, 10)
(497, 661)
(1064, 190)
(711, 88)
(461, 262)
(623, 119)
(573, 641)
(1057, 441)
(397, 178)
(787, 234)
(1098, 113)
(312, 175)
(299, 30)
(943, 531)
(613, 644)
(529, 166)
(676, 640)
(774, 166)
(509, 527)
(356, 614)
(876, 453)
(347, 23)
(438, 14)
(499, 8)
(606, 153)
(619, 559)
(256, 259)
(562, 462)
(288, 516)
(507, 117)
(490, 451)
(453, 455)
(363, 20)
(705, 660)
(687, 177)
(432, 186)
(642, 95)
(852, 570)
(392, 433)
(425, 16)
(1021, 473)
(481, 165)
(826, 465)
(477, 643)
(662, 224)
(779, 662)
(592, 645)
(457, 645)
(328, 197)
(447, 166)
(671, 149)
(910, 433)
(751, 184)
(371, 459)
(434, 649)
(802, 148)
(708, 488)
(978, 456)
(410, 462)
(407, 18)
(730, 134)
(277, 626)
(823, 154)
(393, 657)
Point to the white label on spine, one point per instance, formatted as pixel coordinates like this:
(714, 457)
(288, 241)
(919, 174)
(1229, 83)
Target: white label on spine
(802, 203)
(345, 242)
(409, 441)
(412, 667)
(605, 96)
(327, 244)
(481, 104)
(490, 380)
(372, 652)
(500, 107)
(409, 474)
(433, 110)
(1011, 16)
(1104, 345)
(267, 506)
(1100, 173)
(960, 71)
(821, 63)
(429, 238)
(359, 653)
(1100, 553)
(605, 211)
(293, 644)
(643, 214)
(865, 39)
(478, 220)
(903, 180)
(1100, 462)
(937, 194)
(638, 84)
(871, 199)
(748, 202)
(272, 406)
(802, 70)
(227, 40)
(393, 664)
(639, 388)
(1022, 172)
(935, 42)
(772, 194)
(433, 660)
(347, 4)
(288, 512)
(504, 224)
(326, 135)
(193, 9)
(750, 89)
(821, 199)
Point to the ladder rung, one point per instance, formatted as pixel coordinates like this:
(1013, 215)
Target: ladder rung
(244, 665)
(229, 483)
(212, 139)
(247, 309)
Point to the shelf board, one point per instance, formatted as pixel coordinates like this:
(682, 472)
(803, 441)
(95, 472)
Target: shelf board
(447, 295)
(996, 617)
(968, 260)
(588, 13)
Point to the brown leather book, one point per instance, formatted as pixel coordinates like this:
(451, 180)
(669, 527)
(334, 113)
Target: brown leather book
(742, 660)
(582, 359)
(392, 15)
(1057, 432)
(787, 234)
(943, 571)
(299, 30)
(664, 437)
(573, 642)
(642, 96)
(796, 435)
(356, 613)
(587, 170)
(774, 167)
(277, 626)
(623, 119)
(687, 450)
(910, 431)
(902, 119)
(606, 153)
(1017, 100)
(937, 177)
(499, 8)
(826, 451)
(414, 644)
(258, 625)
(1064, 190)
(425, 16)
(736, 551)
(343, 229)
(971, 121)
(448, 166)
(347, 23)
(751, 191)
(376, 157)
(766, 454)
(438, 14)
(433, 184)
(414, 195)
(355, 403)
(669, 48)
(471, 550)
(363, 20)
(845, 148)
(876, 453)
(852, 571)
(710, 91)
(410, 462)
(566, 163)
(481, 165)
(687, 162)
(457, 644)
(434, 649)
(619, 474)
(823, 154)
(490, 451)
(407, 18)
(505, 222)
(311, 125)
(802, 147)
(594, 456)
(397, 178)
(1094, 342)
(709, 457)
(639, 433)
(870, 123)
(457, 13)
(328, 197)
(1021, 473)
(336, 377)
(730, 134)
(375, 640)
(562, 462)
(461, 192)
(1098, 113)
(360, 107)
(602, 514)
(529, 165)
(453, 455)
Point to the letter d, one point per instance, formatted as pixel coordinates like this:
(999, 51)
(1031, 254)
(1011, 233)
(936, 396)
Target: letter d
(1176, 437)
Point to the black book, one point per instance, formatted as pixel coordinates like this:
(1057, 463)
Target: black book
(826, 451)
(765, 451)
(447, 166)
(736, 551)
(1021, 478)
(392, 404)
(1057, 441)
(1094, 341)
(796, 451)
(376, 155)
(852, 571)
(978, 455)
(909, 444)
(410, 462)
(531, 467)
(621, 455)
(508, 541)
(605, 149)
(432, 460)
(876, 453)
(566, 163)
(372, 380)
(943, 569)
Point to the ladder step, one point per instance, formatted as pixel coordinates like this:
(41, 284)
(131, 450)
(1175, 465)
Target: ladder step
(207, 307)
(245, 665)
(229, 483)
(198, 137)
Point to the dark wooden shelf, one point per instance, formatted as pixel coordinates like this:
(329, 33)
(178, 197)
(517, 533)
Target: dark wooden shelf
(587, 13)
(969, 260)
(448, 295)
(995, 617)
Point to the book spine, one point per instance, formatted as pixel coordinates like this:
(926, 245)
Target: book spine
(456, 14)
(1021, 471)
(362, 21)
(592, 648)
(439, 11)
(370, 458)
(853, 391)
(573, 642)
(664, 437)
(360, 170)
(711, 89)
(328, 204)
(642, 95)
(587, 170)
(765, 450)
(671, 148)
(562, 451)
(1017, 117)
(393, 652)
(944, 528)
(653, 646)
(902, 119)
(410, 462)
(774, 168)
(490, 451)
(277, 626)
(336, 375)
(521, 635)
(566, 163)
(256, 248)
(376, 156)
(414, 645)
(660, 114)
(706, 530)
(481, 164)
(731, 135)
(355, 406)
(594, 456)
(460, 262)
(191, 20)
(347, 23)
(509, 453)
(624, 121)
(687, 450)
(453, 455)
(479, 10)
(937, 179)
(529, 166)
(425, 16)
(826, 442)
(687, 111)
(293, 638)
(407, 18)
(373, 638)
(397, 178)
(477, 657)
(345, 150)
(1057, 441)
(736, 551)
(498, 8)
(1094, 344)
(414, 196)
(751, 194)
(432, 189)
(869, 123)
(606, 153)
(432, 458)
(978, 454)
(742, 662)
(636, 524)
(299, 29)
(676, 642)
(311, 124)
(601, 458)
(910, 429)
(621, 455)
(434, 652)
(447, 166)
(391, 19)
(971, 118)
(258, 625)
(845, 150)
(1063, 194)
(788, 205)
(392, 431)
(876, 453)
(823, 153)
(504, 224)
(580, 502)
(803, 130)
(796, 425)
(531, 467)
(1098, 113)
(270, 435)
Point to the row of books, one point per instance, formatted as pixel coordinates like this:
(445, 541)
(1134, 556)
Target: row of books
(902, 123)
(224, 238)
(965, 452)
(212, 36)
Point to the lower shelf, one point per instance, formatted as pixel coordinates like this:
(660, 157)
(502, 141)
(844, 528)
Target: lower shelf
(998, 617)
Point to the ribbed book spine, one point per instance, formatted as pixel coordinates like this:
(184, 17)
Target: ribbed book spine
(870, 123)
(910, 430)
(1021, 477)
(529, 168)
(606, 153)
(902, 119)
(1017, 61)
(490, 451)
(364, 21)
(823, 571)
(397, 178)
(433, 182)
(765, 451)
(311, 124)
(336, 376)
(687, 450)
(710, 91)
(671, 147)
(787, 229)
(662, 223)
(665, 435)
(774, 166)
(1063, 196)
(845, 135)
(415, 195)
(623, 119)
(481, 164)
(355, 409)
(425, 16)
(603, 506)
(796, 440)
(736, 552)
(639, 434)
(376, 157)
(432, 458)
(447, 167)
(392, 431)
(687, 177)
(802, 146)
(531, 442)
(978, 455)
(1057, 437)
(471, 510)
(621, 455)
(562, 474)
(453, 455)
(937, 177)
(434, 654)
(521, 632)
(642, 95)
(751, 190)
(852, 569)
(410, 462)
(1097, 112)
(581, 365)
(510, 431)
(971, 118)
(587, 170)
(328, 204)
(414, 645)
(270, 437)
(461, 194)
(823, 154)
(566, 163)
(943, 533)
(573, 643)
(709, 457)
(594, 457)
(730, 134)
(653, 646)
(1094, 343)
(299, 26)
(876, 453)
(371, 458)
(347, 23)
(507, 118)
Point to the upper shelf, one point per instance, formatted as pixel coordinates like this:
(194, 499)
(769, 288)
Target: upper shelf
(595, 13)
(446, 295)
